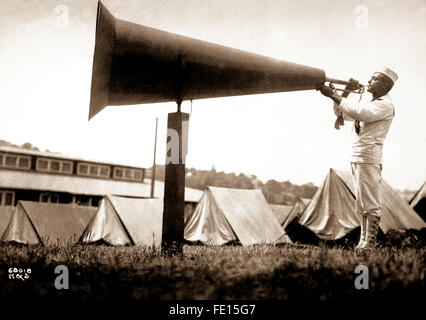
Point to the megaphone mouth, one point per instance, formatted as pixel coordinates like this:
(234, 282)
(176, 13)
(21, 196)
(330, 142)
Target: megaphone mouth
(136, 64)
(102, 60)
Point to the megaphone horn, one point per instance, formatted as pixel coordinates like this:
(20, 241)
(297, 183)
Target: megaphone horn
(135, 64)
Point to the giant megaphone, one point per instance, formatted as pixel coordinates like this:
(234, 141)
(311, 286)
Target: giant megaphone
(135, 64)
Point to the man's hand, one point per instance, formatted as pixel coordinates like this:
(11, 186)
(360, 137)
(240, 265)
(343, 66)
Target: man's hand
(330, 93)
(327, 91)
(353, 85)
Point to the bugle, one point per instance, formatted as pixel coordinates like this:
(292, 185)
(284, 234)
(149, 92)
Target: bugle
(360, 88)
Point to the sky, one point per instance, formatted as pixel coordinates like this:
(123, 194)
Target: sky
(46, 55)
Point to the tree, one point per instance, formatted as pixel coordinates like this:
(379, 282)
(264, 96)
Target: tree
(29, 146)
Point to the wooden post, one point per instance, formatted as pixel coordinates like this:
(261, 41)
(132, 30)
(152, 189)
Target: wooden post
(153, 162)
(174, 188)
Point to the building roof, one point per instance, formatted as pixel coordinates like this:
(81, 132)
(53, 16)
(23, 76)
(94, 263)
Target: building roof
(57, 155)
(28, 180)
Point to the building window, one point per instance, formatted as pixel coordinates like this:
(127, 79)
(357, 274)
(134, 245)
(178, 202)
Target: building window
(93, 170)
(42, 164)
(49, 197)
(44, 197)
(128, 174)
(83, 169)
(11, 161)
(24, 162)
(138, 175)
(66, 167)
(54, 198)
(7, 198)
(15, 161)
(55, 165)
(83, 200)
(104, 171)
(118, 173)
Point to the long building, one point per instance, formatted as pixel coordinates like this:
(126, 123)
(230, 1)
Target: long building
(51, 177)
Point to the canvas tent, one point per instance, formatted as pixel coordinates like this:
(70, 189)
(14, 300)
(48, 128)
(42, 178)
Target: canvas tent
(47, 223)
(126, 221)
(226, 215)
(281, 212)
(330, 214)
(418, 202)
(286, 214)
(296, 211)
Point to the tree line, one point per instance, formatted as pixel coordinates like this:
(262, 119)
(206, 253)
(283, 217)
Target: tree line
(275, 192)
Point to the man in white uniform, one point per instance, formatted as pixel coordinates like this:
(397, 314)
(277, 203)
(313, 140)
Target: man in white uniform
(372, 120)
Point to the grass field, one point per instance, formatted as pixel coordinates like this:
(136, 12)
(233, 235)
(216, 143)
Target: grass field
(261, 272)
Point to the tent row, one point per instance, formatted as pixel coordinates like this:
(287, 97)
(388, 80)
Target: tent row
(45, 223)
(331, 212)
(221, 216)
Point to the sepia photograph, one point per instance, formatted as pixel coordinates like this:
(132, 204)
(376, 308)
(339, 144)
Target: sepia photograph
(213, 159)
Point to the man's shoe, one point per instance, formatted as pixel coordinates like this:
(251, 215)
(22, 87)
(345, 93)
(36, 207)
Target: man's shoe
(372, 228)
(362, 239)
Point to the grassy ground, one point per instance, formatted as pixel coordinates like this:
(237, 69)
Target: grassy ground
(232, 272)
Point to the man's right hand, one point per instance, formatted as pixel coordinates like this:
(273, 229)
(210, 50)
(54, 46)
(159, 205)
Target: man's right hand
(330, 93)
(326, 91)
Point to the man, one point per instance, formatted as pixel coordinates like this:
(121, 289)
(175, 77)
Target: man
(372, 121)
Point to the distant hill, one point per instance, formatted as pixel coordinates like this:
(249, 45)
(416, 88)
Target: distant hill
(275, 192)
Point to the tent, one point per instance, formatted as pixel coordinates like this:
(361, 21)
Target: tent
(296, 211)
(281, 212)
(331, 213)
(5, 214)
(418, 202)
(286, 214)
(47, 223)
(226, 215)
(126, 221)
